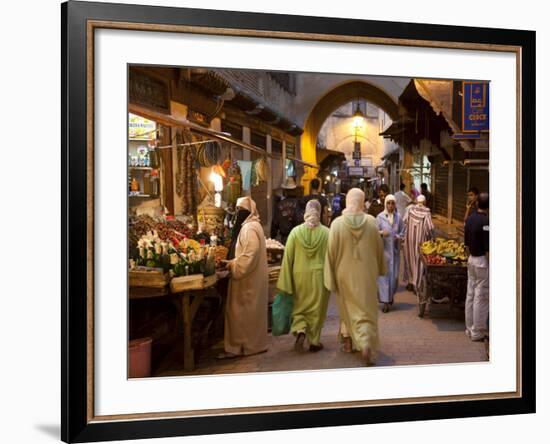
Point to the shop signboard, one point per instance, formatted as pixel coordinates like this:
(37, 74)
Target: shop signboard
(462, 136)
(356, 171)
(475, 106)
(140, 128)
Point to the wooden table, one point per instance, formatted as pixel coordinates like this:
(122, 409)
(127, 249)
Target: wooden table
(187, 303)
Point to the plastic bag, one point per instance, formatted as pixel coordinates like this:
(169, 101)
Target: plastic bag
(281, 314)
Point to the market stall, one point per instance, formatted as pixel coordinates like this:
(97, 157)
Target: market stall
(180, 256)
(445, 274)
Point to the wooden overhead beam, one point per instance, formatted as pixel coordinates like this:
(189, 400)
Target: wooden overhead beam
(168, 120)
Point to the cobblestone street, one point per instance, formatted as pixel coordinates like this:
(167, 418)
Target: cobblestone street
(405, 339)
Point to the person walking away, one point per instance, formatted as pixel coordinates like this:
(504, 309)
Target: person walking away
(402, 203)
(476, 238)
(301, 276)
(339, 202)
(355, 260)
(246, 308)
(414, 192)
(284, 211)
(424, 191)
(418, 229)
(471, 203)
(377, 205)
(402, 200)
(315, 186)
(391, 228)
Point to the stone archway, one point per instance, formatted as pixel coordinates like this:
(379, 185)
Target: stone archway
(340, 95)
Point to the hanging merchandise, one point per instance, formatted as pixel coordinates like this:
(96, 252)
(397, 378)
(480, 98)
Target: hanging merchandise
(200, 156)
(253, 174)
(154, 158)
(246, 167)
(186, 185)
(262, 170)
(233, 188)
(226, 164)
(219, 170)
(213, 153)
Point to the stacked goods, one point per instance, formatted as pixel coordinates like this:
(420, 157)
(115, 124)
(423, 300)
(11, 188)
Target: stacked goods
(179, 227)
(191, 257)
(168, 231)
(274, 272)
(220, 254)
(441, 251)
(273, 244)
(435, 259)
(275, 250)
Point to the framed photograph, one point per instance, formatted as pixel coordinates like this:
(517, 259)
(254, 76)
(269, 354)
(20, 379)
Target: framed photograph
(275, 221)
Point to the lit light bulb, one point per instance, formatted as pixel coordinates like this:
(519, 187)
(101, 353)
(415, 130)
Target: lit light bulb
(357, 122)
(217, 180)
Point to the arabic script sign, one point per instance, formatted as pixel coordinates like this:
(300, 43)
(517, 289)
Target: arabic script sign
(475, 106)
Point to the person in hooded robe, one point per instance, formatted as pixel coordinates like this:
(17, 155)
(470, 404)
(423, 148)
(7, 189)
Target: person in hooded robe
(391, 229)
(301, 276)
(245, 331)
(355, 260)
(419, 228)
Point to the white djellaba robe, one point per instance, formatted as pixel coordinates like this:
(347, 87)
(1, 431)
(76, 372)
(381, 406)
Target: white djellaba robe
(247, 301)
(387, 284)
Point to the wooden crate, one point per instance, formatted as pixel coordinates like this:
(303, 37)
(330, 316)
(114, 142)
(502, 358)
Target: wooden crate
(151, 278)
(192, 282)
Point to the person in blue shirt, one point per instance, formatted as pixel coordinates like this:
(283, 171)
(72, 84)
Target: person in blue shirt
(476, 238)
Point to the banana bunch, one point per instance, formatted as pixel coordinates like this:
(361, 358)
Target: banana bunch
(448, 248)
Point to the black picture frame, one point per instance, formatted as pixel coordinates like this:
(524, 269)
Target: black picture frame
(76, 425)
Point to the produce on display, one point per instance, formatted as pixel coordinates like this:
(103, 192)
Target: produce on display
(167, 230)
(220, 254)
(435, 259)
(442, 251)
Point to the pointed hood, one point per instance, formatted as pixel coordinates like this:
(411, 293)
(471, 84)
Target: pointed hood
(356, 224)
(311, 239)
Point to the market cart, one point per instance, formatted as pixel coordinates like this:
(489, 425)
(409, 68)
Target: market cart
(442, 283)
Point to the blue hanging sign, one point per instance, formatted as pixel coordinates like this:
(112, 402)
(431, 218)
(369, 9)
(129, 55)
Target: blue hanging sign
(475, 106)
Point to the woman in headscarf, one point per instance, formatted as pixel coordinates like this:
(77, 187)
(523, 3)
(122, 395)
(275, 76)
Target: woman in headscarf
(355, 260)
(391, 229)
(246, 308)
(302, 276)
(418, 229)
(241, 214)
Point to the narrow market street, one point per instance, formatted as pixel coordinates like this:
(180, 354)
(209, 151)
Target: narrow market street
(405, 339)
(224, 169)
